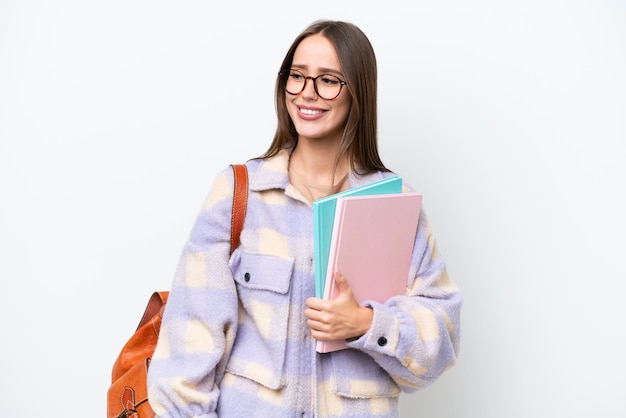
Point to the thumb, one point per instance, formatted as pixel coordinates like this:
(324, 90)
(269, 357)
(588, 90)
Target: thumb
(342, 283)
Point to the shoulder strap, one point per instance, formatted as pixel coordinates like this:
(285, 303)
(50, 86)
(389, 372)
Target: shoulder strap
(240, 202)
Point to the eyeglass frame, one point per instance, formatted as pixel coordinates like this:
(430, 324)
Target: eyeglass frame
(285, 76)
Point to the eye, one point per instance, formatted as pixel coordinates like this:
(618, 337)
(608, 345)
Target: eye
(296, 75)
(329, 80)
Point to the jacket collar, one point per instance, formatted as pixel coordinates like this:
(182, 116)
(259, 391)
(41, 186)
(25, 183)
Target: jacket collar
(273, 173)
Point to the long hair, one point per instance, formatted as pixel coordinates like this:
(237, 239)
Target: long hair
(358, 65)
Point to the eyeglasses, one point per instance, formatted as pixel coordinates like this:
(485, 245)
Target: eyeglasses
(327, 86)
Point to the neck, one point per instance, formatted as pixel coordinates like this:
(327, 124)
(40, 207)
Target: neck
(313, 172)
(317, 163)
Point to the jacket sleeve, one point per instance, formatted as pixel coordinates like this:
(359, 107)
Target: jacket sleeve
(416, 337)
(200, 318)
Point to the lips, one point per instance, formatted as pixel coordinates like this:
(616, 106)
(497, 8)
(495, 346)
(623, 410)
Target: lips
(307, 113)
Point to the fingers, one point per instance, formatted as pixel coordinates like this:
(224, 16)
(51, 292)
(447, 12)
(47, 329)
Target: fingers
(321, 328)
(316, 303)
(337, 318)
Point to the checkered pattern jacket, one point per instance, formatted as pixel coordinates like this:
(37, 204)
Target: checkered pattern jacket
(234, 340)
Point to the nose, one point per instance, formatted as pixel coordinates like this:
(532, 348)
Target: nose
(309, 92)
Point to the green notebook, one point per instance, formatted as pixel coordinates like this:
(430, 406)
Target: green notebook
(324, 218)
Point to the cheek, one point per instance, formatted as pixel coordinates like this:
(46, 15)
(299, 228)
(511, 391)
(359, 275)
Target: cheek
(344, 110)
(291, 109)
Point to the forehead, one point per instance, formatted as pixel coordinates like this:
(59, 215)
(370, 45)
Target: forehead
(316, 51)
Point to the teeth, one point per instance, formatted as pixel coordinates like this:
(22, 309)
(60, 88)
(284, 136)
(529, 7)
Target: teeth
(311, 111)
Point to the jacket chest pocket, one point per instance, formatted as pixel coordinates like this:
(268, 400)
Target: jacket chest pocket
(263, 283)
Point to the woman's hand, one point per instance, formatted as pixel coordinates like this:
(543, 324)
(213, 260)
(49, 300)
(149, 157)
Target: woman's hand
(339, 319)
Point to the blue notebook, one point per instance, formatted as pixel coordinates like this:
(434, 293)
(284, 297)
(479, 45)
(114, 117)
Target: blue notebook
(324, 219)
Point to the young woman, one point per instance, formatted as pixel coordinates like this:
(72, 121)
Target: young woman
(238, 334)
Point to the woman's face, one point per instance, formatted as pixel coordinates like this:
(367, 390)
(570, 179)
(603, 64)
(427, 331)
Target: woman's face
(313, 117)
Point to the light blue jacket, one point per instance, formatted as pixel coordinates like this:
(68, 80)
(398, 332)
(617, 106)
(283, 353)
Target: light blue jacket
(234, 340)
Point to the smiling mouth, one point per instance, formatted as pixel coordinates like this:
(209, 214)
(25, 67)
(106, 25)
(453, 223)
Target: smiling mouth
(311, 111)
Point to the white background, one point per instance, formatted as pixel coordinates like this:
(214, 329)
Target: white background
(509, 116)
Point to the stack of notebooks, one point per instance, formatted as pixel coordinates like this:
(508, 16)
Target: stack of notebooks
(367, 234)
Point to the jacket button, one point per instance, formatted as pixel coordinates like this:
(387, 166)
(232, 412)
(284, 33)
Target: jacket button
(246, 277)
(382, 341)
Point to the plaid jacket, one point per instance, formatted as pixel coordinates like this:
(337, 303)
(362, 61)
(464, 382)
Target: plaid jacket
(234, 340)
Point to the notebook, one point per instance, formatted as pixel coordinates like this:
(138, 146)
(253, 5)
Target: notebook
(323, 220)
(372, 244)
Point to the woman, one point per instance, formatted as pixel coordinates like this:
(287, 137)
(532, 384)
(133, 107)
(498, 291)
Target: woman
(238, 335)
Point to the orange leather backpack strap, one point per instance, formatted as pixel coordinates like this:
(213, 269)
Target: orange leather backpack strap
(240, 203)
(155, 306)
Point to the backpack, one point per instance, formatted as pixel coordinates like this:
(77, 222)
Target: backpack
(127, 396)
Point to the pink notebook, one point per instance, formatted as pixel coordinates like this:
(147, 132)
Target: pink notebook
(371, 246)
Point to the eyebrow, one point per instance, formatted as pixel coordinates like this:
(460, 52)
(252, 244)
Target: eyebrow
(323, 70)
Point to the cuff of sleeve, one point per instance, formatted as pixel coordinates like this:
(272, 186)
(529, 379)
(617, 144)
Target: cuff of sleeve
(383, 334)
